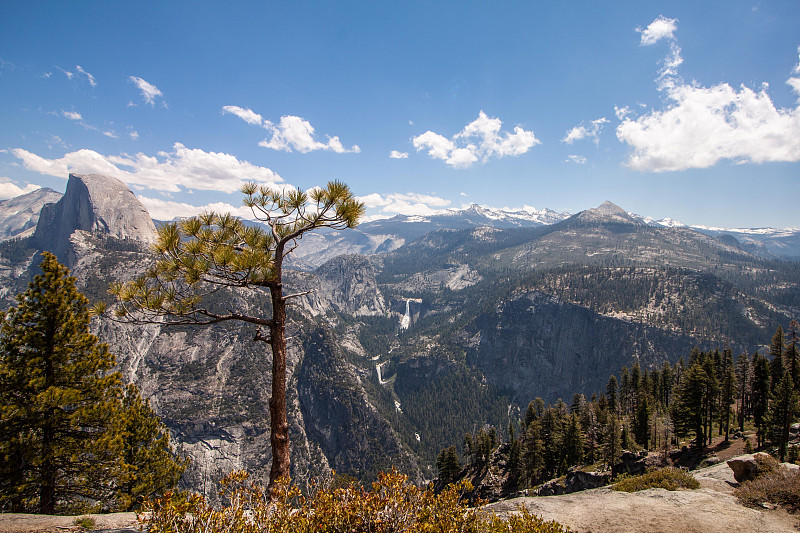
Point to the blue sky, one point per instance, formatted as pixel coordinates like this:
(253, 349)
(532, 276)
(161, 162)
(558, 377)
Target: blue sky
(687, 110)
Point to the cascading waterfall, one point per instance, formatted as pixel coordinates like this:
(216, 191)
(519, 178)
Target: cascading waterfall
(405, 322)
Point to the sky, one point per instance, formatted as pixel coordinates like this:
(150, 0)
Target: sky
(686, 110)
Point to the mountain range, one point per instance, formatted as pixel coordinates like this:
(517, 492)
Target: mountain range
(416, 329)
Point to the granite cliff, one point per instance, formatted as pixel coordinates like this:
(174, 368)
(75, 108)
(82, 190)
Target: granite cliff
(96, 204)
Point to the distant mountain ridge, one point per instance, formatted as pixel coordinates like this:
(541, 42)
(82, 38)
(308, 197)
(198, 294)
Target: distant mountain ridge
(436, 325)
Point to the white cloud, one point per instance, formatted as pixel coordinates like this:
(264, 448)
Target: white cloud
(481, 139)
(8, 189)
(167, 210)
(248, 115)
(660, 28)
(395, 154)
(134, 135)
(577, 159)
(581, 131)
(291, 133)
(701, 126)
(404, 204)
(166, 171)
(67, 73)
(296, 133)
(149, 91)
(89, 77)
(72, 115)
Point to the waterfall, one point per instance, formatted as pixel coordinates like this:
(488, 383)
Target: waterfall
(405, 322)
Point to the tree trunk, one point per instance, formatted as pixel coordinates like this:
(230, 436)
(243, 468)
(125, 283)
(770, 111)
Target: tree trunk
(279, 425)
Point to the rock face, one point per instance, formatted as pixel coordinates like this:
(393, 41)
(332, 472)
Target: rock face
(97, 204)
(18, 216)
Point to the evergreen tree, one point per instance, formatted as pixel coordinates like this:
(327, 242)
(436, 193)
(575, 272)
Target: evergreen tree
(792, 353)
(573, 441)
(448, 465)
(200, 255)
(782, 412)
(641, 429)
(532, 454)
(66, 437)
(689, 407)
(743, 377)
(612, 441)
(611, 393)
(760, 396)
(727, 391)
(58, 397)
(776, 368)
(150, 468)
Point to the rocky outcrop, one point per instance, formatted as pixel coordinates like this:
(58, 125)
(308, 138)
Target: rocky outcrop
(96, 204)
(348, 283)
(18, 216)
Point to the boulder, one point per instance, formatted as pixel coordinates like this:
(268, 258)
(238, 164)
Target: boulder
(746, 467)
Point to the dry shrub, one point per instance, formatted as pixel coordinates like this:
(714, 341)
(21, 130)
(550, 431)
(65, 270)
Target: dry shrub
(392, 505)
(781, 487)
(669, 478)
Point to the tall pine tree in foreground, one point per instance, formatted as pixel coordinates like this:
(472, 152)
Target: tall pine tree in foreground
(58, 397)
(64, 443)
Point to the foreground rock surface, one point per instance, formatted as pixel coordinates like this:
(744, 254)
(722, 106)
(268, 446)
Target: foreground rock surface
(35, 523)
(710, 508)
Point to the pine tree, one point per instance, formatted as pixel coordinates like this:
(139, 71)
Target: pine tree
(200, 255)
(573, 441)
(689, 409)
(783, 409)
(611, 393)
(150, 468)
(744, 377)
(58, 397)
(792, 353)
(532, 454)
(641, 429)
(68, 436)
(776, 367)
(760, 394)
(612, 441)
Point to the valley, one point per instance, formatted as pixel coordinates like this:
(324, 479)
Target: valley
(415, 331)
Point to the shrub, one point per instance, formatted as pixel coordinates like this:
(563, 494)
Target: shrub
(392, 505)
(781, 487)
(85, 522)
(669, 478)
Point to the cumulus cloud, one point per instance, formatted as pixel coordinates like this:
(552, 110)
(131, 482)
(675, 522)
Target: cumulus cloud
(701, 126)
(166, 171)
(168, 210)
(582, 131)
(89, 77)
(72, 115)
(296, 133)
(395, 154)
(248, 115)
(481, 140)
(149, 91)
(8, 189)
(291, 133)
(404, 204)
(660, 28)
